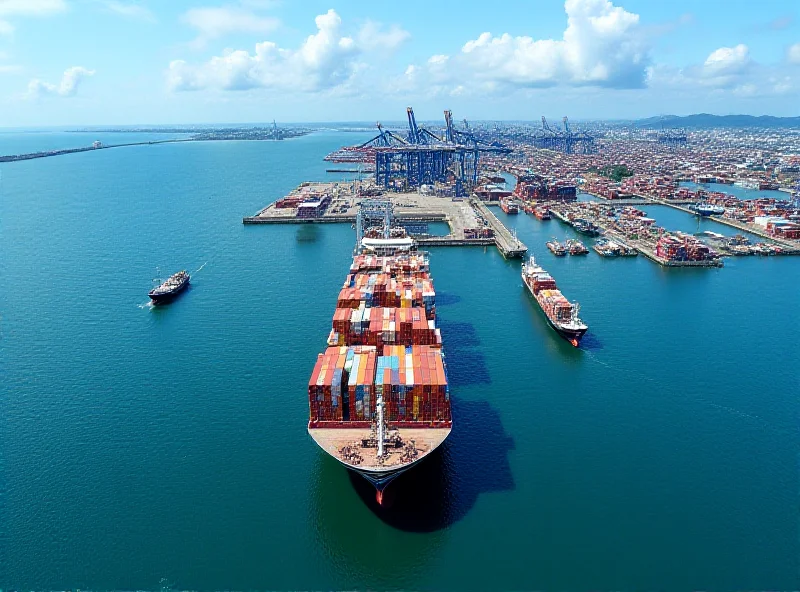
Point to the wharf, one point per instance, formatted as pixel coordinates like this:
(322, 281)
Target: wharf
(643, 247)
(508, 245)
(459, 214)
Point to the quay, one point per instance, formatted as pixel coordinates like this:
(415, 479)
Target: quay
(793, 248)
(508, 245)
(459, 214)
(641, 246)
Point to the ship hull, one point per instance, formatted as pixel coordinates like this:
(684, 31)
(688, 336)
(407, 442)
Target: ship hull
(329, 440)
(164, 297)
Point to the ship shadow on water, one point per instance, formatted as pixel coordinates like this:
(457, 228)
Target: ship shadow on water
(446, 299)
(307, 233)
(466, 365)
(444, 487)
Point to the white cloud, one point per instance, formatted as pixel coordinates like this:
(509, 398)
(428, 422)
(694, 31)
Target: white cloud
(794, 54)
(373, 36)
(214, 22)
(70, 82)
(132, 10)
(31, 7)
(23, 8)
(727, 61)
(325, 61)
(10, 68)
(602, 45)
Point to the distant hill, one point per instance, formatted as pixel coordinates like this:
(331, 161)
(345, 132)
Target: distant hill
(702, 120)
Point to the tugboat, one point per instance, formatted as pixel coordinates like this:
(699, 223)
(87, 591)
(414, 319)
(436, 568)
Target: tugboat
(557, 248)
(174, 285)
(586, 227)
(560, 313)
(576, 247)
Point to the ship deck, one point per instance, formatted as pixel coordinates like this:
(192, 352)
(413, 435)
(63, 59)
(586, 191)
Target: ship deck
(334, 440)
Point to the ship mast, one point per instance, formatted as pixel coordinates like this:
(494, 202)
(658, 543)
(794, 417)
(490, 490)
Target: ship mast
(380, 427)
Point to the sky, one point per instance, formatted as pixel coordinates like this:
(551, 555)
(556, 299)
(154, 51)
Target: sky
(138, 62)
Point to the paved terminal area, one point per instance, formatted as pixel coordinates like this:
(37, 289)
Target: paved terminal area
(458, 213)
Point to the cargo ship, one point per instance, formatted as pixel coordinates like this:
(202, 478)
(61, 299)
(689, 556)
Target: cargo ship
(379, 399)
(561, 314)
(537, 188)
(174, 285)
(509, 207)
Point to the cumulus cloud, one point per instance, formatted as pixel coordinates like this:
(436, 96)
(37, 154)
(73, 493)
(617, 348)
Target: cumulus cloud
(373, 36)
(68, 86)
(727, 61)
(793, 54)
(132, 10)
(326, 60)
(214, 22)
(12, 8)
(31, 7)
(602, 45)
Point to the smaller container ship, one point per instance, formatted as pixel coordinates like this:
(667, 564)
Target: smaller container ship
(560, 312)
(174, 285)
(542, 212)
(509, 207)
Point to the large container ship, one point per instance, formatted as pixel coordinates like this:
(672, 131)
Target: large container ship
(379, 400)
(560, 312)
(537, 188)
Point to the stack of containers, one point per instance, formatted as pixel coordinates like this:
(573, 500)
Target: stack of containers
(555, 305)
(386, 303)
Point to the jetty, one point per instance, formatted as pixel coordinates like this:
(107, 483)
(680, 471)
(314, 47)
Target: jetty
(470, 222)
(508, 244)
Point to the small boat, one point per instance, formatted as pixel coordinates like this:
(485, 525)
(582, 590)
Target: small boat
(169, 289)
(586, 227)
(707, 209)
(557, 248)
(576, 247)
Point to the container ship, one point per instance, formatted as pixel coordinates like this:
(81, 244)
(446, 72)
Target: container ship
(379, 399)
(537, 188)
(560, 312)
(509, 207)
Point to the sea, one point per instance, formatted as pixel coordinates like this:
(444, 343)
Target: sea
(165, 448)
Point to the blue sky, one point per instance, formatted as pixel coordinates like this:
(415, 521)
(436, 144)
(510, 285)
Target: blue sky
(102, 62)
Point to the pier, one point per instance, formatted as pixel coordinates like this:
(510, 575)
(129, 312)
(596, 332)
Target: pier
(459, 214)
(508, 244)
(646, 248)
(792, 247)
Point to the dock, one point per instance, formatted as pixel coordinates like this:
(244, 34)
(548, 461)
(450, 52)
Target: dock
(792, 247)
(412, 207)
(508, 244)
(644, 247)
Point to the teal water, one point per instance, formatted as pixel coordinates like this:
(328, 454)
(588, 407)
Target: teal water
(740, 192)
(141, 444)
